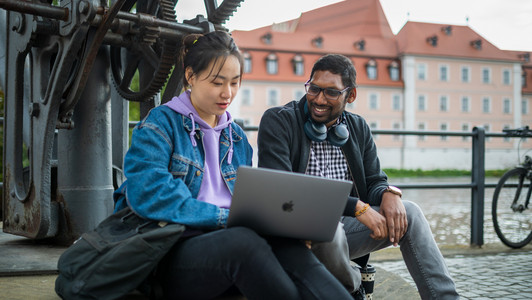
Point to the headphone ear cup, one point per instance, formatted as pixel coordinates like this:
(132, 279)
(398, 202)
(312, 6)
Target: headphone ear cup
(315, 132)
(338, 137)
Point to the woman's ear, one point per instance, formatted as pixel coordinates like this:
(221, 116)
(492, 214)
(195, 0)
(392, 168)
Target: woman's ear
(189, 76)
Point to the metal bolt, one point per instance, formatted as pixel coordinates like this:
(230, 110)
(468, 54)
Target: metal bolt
(83, 7)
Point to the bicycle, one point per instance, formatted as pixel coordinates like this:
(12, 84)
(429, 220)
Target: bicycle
(512, 215)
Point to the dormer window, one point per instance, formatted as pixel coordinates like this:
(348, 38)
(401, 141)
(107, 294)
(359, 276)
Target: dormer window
(393, 68)
(477, 44)
(271, 64)
(447, 30)
(433, 40)
(266, 38)
(248, 67)
(317, 42)
(360, 45)
(525, 57)
(371, 69)
(297, 63)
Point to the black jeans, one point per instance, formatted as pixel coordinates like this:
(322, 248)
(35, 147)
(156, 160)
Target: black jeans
(205, 266)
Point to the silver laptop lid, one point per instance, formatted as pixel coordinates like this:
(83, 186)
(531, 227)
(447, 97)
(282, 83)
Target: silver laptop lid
(288, 204)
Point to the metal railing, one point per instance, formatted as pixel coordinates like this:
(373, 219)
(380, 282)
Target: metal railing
(477, 184)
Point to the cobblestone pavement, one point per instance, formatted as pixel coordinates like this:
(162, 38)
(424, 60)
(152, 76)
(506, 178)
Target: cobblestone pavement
(497, 276)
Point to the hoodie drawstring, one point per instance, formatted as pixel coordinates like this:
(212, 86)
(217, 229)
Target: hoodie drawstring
(193, 131)
(194, 143)
(230, 155)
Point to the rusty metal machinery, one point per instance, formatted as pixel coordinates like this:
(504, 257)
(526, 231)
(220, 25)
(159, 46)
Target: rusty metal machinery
(62, 116)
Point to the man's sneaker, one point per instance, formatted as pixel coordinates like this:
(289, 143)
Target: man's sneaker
(359, 294)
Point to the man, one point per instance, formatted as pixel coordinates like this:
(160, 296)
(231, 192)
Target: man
(316, 136)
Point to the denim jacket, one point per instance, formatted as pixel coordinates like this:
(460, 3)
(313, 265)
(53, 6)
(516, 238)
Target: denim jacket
(164, 170)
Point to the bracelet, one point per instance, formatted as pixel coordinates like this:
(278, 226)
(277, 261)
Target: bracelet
(362, 211)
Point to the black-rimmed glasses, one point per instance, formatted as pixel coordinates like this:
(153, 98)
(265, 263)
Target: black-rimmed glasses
(329, 93)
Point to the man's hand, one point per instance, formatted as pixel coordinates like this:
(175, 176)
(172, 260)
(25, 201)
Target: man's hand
(394, 211)
(374, 221)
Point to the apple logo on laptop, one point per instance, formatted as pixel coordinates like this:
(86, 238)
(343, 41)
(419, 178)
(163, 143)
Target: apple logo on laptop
(288, 206)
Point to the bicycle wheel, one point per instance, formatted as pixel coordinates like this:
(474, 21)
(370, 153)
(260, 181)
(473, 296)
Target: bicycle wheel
(512, 216)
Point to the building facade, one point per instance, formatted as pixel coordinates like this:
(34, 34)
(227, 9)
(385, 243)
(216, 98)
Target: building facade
(428, 77)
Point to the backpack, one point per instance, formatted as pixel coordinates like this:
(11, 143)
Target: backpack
(115, 258)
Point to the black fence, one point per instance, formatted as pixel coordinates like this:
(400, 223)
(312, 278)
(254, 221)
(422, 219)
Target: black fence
(477, 184)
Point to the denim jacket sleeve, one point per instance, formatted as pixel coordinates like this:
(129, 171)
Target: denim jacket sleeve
(152, 190)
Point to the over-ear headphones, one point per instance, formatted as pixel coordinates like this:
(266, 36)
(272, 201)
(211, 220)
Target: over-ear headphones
(337, 135)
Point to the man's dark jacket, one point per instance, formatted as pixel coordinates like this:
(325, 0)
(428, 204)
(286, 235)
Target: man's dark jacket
(283, 145)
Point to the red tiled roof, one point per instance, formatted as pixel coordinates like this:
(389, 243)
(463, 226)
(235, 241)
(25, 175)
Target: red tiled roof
(412, 39)
(302, 43)
(358, 17)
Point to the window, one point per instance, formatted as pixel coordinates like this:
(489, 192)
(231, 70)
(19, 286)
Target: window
(299, 93)
(486, 75)
(523, 79)
(371, 69)
(394, 71)
(444, 73)
(486, 105)
(248, 67)
(373, 126)
(396, 126)
(444, 103)
(506, 139)
(273, 97)
(465, 103)
(421, 127)
(444, 127)
(271, 64)
(487, 128)
(421, 103)
(373, 101)
(506, 79)
(465, 128)
(506, 106)
(422, 72)
(298, 65)
(245, 96)
(396, 102)
(465, 74)
(524, 107)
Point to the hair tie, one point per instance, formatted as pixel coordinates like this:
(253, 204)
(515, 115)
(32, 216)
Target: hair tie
(194, 41)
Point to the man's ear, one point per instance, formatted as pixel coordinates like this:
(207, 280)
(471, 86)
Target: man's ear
(352, 95)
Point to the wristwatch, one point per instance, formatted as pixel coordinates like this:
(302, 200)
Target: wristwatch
(394, 190)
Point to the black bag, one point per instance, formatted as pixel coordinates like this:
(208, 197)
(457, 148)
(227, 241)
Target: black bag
(115, 258)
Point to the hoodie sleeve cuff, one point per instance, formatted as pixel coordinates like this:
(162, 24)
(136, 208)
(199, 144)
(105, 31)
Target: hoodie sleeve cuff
(350, 207)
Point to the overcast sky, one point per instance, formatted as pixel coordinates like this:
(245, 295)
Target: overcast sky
(505, 23)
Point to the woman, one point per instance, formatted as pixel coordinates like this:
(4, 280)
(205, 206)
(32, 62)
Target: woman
(181, 168)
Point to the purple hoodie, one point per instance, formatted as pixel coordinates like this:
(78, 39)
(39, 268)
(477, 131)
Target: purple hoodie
(213, 188)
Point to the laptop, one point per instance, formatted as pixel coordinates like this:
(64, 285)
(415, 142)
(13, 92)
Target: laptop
(287, 204)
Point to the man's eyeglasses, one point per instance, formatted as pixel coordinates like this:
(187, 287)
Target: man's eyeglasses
(329, 93)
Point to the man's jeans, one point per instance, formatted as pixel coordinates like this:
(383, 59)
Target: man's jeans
(418, 247)
(205, 266)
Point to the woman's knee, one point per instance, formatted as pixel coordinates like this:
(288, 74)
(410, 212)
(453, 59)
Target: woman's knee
(244, 242)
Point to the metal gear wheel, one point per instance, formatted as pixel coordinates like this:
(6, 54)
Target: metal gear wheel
(147, 52)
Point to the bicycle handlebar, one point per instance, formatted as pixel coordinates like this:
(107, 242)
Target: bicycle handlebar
(524, 131)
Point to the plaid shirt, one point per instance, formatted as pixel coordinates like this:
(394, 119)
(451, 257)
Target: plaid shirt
(327, 160)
